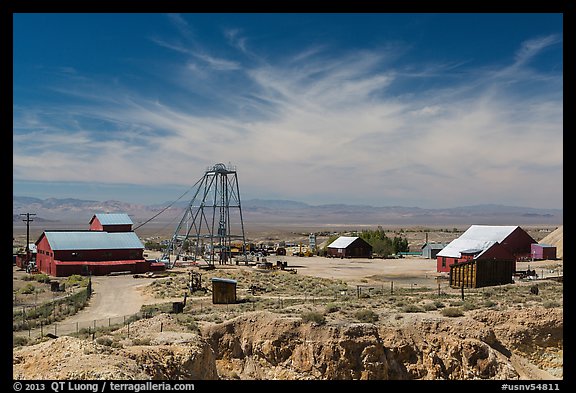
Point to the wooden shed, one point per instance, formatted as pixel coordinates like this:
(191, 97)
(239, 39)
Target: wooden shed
(223, 291)
(478, 273)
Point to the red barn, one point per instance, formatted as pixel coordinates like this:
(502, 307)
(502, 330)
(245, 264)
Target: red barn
(109, 246)
(350, 247)
(63, 253)
(482, 237)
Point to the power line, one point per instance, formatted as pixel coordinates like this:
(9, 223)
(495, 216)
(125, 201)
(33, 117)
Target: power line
(167, 207)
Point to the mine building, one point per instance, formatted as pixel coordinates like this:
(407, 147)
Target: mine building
(109, 246)
(349, 247)
(481, 238)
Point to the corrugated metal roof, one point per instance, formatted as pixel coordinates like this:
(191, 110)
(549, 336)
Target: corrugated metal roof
(226, 280)
(434, 246)
(113, 218)
(489, 232)
(342, 242)
(543, 245)
(92, 240)
(480, 237)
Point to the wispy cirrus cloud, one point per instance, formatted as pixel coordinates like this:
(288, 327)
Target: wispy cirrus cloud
(533, 47)
(310, 126)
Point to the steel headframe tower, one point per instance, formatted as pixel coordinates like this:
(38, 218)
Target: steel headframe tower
(207, 227)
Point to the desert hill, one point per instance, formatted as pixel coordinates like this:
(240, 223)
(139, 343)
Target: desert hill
(290, 213)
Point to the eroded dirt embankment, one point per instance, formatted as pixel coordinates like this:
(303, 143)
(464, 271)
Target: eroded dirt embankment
(514, 344)
(488, 344)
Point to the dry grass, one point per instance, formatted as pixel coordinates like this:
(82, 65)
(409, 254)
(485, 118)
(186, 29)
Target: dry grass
(336, 302)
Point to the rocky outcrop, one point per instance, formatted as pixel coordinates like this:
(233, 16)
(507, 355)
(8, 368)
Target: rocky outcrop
(263, 346)
(484, 344)
(156, 348)
(536, 334)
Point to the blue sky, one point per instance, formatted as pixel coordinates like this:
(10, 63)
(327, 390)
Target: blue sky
(428, 110)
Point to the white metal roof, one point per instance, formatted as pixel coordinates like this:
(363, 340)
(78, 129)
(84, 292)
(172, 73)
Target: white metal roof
(113, 218)
(342, 242)
(92, 240)
(480, 237)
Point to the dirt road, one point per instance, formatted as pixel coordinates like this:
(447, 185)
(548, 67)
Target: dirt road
(114, 298)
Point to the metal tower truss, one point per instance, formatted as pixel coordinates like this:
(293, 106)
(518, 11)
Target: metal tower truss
(212, 225)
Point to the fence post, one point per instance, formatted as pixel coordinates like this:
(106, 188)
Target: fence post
(41, 329)
(55, 329)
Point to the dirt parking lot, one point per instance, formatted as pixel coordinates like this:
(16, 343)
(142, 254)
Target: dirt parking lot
(404, 271)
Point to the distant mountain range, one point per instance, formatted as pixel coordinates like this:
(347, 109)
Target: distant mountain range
(292, 213)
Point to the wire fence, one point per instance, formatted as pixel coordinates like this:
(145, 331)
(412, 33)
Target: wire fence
(203, 306)
(80, 327)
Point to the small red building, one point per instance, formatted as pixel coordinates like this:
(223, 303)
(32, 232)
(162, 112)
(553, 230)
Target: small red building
(111, 222)
(543, 251)
(513, 239)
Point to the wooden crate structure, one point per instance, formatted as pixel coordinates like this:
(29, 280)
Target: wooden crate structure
(223, 291)
(481, 273)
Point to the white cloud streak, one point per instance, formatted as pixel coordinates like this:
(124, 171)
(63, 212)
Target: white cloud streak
(332, 133)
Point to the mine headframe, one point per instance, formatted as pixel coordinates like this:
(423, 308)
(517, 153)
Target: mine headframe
(211, 221)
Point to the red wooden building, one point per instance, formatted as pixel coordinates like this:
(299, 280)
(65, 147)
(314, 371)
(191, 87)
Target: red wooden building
(513, 239)
(349, 247)
(111, 222)
(109, 246)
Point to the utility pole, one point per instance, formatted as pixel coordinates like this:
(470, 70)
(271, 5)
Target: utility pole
(27, 221)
